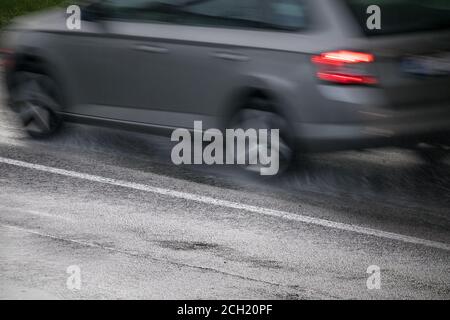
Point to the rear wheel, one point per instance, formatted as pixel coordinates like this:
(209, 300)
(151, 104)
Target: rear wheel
(35, 98)
(259, 115)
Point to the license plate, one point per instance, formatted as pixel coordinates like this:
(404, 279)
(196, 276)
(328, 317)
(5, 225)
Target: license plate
(437, 65)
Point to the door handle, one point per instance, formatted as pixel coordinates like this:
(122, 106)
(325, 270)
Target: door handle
(150, 49)
(230, 56)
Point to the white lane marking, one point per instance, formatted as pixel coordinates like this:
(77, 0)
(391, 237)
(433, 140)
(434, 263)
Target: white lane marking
(231, 205)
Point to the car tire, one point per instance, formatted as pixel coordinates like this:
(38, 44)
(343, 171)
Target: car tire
(34, 97)
(259, 114)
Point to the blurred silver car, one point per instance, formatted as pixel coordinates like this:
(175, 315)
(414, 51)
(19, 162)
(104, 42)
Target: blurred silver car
(311, 68)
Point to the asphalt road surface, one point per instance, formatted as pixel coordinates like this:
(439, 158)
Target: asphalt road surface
(136, 226)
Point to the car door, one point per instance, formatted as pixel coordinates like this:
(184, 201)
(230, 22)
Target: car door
(164, 62)
(126, 73)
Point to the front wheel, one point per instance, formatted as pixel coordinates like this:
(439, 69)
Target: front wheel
(35, 98)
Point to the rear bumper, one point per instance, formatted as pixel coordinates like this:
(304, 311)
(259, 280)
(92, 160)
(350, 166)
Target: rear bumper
(403, 129)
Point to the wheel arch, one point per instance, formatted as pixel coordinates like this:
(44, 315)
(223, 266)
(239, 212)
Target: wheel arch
(34, 60)
(259, 87)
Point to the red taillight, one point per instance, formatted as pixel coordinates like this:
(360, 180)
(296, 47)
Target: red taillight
(343, 57)
(345, 67)
(346, 79)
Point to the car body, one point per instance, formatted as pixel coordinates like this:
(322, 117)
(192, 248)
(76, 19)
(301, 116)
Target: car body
(137, 69)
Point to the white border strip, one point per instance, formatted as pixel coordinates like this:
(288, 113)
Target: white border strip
(231, 205)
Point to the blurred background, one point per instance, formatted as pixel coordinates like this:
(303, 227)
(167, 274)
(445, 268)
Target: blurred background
(14, 8)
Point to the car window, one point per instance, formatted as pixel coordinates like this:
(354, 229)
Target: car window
(150, 10)
(289, 14)
(284, 14)
(138, 4)
(233, 10)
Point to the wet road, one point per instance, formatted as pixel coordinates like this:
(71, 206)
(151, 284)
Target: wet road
(112, 204)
